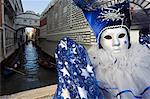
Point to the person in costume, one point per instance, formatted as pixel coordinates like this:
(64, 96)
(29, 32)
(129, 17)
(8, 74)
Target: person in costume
(112, 69)
(121, 68)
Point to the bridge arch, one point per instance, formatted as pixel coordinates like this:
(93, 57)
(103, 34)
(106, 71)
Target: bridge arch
(27, 19)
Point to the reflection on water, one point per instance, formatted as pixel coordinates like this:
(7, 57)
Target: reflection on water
(31, 65)
(36, 76)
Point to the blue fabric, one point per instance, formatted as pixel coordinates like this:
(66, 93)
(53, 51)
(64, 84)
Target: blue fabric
(99, 18)
(75, 72)
(84, 4)
(145, 40)
(140, 96)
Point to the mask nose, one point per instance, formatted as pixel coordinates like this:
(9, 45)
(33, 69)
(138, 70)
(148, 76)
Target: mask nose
(116, 42)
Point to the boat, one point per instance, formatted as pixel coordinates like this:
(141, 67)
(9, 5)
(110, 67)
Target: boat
(46, 63)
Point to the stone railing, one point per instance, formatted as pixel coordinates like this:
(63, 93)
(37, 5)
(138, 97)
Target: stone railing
(39, 93)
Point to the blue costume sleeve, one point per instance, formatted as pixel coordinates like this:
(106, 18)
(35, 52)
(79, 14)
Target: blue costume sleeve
(76, 78)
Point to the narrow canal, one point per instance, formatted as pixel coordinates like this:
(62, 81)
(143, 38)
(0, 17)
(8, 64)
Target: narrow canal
(30, 74)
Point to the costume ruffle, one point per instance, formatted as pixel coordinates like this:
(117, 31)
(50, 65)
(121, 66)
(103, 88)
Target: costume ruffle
(127, 75)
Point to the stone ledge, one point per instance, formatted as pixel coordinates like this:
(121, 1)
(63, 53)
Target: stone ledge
(39, 93)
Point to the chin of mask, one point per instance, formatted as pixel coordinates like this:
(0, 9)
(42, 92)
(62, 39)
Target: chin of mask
(114, 40)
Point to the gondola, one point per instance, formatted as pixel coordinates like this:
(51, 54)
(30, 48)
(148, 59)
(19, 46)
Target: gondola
(46, 63)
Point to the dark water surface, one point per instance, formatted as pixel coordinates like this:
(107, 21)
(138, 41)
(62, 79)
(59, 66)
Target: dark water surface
(35, 75)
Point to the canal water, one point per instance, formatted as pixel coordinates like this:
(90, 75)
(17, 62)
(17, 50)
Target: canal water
(31, 75)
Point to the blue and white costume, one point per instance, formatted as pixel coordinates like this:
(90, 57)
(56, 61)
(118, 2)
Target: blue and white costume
(107, 77)
(76, 78)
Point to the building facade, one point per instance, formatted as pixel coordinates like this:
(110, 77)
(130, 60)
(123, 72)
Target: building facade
(9, 42)
(62, 18)
(1, 30)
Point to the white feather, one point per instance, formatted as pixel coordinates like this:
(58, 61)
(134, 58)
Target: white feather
(129, 70)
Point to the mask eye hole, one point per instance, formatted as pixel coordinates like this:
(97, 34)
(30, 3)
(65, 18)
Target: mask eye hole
(108, 37)
(121, 35)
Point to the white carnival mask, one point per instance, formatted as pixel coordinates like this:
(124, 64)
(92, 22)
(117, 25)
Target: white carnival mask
(114, 40)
